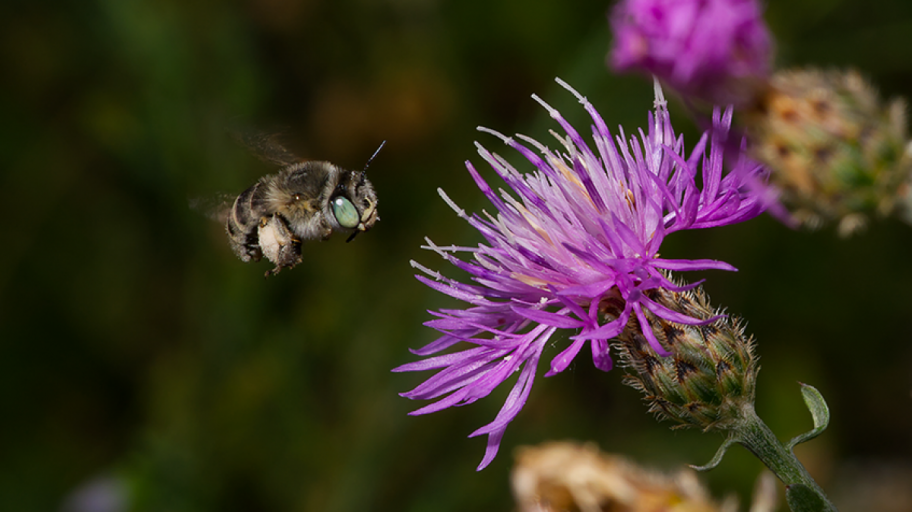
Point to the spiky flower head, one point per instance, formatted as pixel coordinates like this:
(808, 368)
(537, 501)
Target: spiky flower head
(716, 50)
(583, 236)
(711, 374)
(835, 151)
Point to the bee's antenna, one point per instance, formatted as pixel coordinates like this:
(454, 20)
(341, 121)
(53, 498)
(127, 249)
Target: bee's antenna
(352, 237)
(369, 160)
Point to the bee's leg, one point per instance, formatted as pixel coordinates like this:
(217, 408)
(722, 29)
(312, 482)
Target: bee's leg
(279, 244)
(326, 231)
(289, 254)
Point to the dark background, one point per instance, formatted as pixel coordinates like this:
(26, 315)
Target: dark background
(134, 345)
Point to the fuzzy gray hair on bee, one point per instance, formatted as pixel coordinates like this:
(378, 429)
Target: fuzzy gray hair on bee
(305, 200)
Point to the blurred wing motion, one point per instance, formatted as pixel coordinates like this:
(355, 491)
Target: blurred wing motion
(265, 146)
(215, 207)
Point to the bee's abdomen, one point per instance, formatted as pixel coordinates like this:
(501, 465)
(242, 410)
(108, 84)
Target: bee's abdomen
(242, 225)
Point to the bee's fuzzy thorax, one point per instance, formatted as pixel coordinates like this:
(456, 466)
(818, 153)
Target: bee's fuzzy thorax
(277, 198)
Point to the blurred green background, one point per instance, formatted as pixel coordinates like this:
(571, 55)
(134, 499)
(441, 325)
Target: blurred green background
(135, 346)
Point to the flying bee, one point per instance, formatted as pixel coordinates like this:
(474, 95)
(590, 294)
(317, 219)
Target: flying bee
(305, 200)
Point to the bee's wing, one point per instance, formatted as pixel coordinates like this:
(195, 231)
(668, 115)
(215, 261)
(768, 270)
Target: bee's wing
(265, 146)
(216, 207)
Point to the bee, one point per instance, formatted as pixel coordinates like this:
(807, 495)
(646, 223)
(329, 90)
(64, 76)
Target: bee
(305, 200)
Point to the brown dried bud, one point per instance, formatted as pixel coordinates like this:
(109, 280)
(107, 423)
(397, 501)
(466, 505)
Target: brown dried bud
(560, 476)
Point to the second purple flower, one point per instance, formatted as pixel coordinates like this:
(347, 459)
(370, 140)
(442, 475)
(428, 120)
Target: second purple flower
(581, 237)
(717, 50)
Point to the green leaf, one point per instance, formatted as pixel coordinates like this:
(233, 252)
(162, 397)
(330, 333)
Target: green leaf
(802, 498)
(717, 458)
(819, 411)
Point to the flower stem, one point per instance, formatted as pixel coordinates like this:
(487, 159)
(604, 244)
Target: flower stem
(754, 435)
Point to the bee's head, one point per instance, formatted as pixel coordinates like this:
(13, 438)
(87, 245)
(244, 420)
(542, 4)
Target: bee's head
(354, 204)
(364, 194)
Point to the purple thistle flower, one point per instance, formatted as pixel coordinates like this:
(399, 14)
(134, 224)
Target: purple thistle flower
(584, 235)
(718, 50)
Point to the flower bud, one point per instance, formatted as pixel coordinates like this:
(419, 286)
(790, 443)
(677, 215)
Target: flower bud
(710, 376)
(836, 152)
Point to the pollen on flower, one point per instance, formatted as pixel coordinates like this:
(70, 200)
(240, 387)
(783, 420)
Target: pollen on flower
(631, 199)
(569, 176)
(532, 281)
(532, 221)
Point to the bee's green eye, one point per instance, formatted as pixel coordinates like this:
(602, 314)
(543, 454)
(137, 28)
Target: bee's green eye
(345, 212)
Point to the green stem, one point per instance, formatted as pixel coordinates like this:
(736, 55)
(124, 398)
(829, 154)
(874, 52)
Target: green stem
(754, 435)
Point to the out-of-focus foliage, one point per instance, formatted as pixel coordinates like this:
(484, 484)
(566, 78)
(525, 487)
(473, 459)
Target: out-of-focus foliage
(135, 345)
